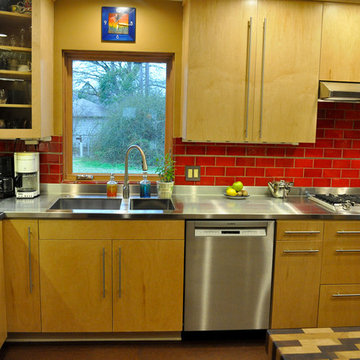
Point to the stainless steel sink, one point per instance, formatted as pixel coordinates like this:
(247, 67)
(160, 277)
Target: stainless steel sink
(86, 204)
(151, 204)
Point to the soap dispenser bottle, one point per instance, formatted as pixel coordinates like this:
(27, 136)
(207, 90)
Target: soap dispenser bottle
(145, 187)
(111, 186)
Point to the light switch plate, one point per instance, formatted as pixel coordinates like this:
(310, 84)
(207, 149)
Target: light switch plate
(192, 173)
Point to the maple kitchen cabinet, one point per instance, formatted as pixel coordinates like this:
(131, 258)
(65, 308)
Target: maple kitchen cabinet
(28, 110)
(340, 278)
(103, 276)
(250, 70)
(340, 47)
(297, 268)
(3, 323)
(22, 284)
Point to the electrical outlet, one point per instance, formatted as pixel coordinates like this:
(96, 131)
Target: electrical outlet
(192, 173)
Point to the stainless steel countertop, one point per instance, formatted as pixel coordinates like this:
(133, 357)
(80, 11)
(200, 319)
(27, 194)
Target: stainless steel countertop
(191, 202)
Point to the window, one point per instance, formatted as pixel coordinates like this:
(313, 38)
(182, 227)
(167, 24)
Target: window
(114, 100)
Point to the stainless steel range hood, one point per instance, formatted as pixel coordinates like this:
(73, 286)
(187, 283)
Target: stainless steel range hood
(339, 91)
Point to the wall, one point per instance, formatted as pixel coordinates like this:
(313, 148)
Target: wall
(78, 27)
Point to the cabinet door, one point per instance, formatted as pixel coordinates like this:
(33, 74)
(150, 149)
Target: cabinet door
(341, 260)
(3, 324)
(28, 110)
(21, 259)
(76, 288)
(148, 285)
(296, 284)
(218, 71)
(340, 46)
(287, 71)
(339, 305)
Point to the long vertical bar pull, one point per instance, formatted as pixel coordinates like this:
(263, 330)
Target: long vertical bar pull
(262, 78)
(119, 272)
(29, 255)
(103, 256)
(248, 77)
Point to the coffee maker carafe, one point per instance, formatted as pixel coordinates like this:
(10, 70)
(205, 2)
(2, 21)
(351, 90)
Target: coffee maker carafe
(6, 176)
(27, 177)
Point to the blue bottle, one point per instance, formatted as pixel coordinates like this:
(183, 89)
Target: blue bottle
(145, 187)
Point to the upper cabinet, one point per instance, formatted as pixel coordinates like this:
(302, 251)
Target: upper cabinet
(26, 72)
(340, 48)
(247, 73)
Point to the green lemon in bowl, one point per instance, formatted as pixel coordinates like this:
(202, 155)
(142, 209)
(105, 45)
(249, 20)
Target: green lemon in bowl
(237, 186)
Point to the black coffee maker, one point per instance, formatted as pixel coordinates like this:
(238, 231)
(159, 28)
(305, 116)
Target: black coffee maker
(6, 176)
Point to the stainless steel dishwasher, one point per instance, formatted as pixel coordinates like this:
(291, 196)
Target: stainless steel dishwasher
(228, 275)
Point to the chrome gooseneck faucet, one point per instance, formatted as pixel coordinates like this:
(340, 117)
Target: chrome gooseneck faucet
(126, 177)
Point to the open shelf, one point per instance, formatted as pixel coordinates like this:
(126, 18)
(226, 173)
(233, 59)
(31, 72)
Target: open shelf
(14, 15)
(15, 106)
(11, 74)
(14, 48)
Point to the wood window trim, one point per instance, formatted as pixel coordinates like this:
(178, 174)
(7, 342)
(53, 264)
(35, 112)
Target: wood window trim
(68, 56)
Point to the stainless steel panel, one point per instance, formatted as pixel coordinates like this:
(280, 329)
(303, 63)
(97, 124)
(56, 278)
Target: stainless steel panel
(228, 278)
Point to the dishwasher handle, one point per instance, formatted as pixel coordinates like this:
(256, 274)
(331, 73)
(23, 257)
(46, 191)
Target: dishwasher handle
(226, 232)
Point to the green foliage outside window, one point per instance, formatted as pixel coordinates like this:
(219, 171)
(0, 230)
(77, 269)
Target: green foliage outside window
(128, 99)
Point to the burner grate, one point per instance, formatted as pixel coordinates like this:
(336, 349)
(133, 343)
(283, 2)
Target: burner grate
(339, 199)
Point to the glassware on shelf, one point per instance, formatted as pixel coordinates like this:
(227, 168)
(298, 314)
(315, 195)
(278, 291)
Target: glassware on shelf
(22, 37)
(12, 40)
(13, 62)
(4, 61)
(3, 96)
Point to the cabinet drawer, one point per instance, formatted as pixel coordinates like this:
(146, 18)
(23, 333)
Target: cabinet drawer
(111, 229)
(299, 230)
(341, 258)
(339, 305)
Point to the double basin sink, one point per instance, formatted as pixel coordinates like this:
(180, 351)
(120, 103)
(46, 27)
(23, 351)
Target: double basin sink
(101, 203)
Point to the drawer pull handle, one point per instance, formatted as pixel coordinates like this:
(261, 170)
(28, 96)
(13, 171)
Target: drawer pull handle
(345, 295)
(262, 79)
(248, 76)
(348, 232)
(30, 265)
(308, 251)
(289, 232)
(119, 272)
(103, 258)
(347, 250)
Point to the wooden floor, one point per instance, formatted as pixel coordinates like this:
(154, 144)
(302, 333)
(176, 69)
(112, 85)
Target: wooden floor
(194, 349)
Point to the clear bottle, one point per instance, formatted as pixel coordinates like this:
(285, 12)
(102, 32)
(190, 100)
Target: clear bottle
(145, 187)
(111, 186)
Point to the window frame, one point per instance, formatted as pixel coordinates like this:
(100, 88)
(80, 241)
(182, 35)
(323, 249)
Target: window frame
(68, 57)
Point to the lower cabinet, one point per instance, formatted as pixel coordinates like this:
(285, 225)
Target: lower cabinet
(339, 305)
(340, 278)
(22, 283)
(103, 276)
(316, 274)
(76, 289)
(148, 285)
(297, 269)
(3, 324)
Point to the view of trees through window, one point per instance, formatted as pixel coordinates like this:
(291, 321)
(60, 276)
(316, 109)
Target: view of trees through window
(117, 104)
